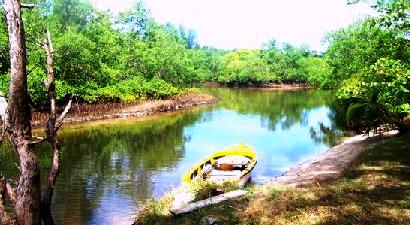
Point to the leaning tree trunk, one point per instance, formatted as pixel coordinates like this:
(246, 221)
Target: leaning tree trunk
(27, 204)
(52, 134)
(53, 124)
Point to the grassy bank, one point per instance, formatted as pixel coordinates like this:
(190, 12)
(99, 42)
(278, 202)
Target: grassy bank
(375, 191)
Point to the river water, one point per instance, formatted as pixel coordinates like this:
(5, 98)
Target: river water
(109, 169)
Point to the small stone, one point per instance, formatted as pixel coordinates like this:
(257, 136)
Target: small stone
(209, 221)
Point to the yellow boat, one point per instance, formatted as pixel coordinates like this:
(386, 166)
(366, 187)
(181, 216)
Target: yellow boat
(232, 164)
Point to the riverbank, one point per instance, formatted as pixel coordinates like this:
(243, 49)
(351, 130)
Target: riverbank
(267, 86)
(374, 190)
(331, 164)
(103, 111)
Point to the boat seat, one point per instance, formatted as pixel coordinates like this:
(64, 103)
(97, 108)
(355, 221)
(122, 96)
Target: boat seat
(231, 173)
(236, 160)
(221, 176)
(220, 179)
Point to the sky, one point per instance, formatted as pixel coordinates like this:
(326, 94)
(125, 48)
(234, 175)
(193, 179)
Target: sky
(229, 24)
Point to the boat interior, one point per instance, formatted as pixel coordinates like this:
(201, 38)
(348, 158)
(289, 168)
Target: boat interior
(224, 168)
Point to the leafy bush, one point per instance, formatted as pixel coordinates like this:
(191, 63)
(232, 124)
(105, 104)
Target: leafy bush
(157, 88)
(379, 95)
(138, 88)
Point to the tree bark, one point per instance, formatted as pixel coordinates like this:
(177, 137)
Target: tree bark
(53, 124)
(51, 132)
(6, 218)
(27, 205)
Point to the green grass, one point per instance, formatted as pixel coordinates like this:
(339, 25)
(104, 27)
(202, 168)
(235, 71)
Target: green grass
(375, 191)
(203, 189)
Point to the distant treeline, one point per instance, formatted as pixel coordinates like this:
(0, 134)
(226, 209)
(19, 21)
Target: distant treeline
(99, 56)
(130, 56)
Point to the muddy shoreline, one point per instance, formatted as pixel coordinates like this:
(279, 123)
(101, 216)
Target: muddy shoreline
(106, 111)
(83, 112)
(268, 86)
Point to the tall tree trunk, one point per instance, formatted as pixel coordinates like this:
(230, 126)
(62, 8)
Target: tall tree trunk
(53, 125)
(27, 206)
(51, 131)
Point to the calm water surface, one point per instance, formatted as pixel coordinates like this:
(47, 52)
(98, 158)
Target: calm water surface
(110, 169)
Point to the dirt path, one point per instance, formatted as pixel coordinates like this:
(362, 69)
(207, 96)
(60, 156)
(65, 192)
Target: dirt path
(329, 165)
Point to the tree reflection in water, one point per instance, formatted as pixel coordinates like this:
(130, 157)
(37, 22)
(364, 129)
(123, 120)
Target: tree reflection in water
(109, 169)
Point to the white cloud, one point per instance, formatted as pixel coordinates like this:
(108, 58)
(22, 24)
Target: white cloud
(248, 24)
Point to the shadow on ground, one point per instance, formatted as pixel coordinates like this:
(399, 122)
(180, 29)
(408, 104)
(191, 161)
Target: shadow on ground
(375, 191)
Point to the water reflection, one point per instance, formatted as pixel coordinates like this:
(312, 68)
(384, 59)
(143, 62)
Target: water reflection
(112, 167)
(108, 170)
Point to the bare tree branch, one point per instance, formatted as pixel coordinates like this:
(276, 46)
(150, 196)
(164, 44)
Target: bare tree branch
(3, 130)
(47, 195)
(50, 85)
(3, 116)
(6, 187)
(53, 124)
(5, 217)
(60, 119)
(50, 46)
(39, 140)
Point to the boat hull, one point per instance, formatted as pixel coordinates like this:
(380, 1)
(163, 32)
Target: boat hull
(234, 164)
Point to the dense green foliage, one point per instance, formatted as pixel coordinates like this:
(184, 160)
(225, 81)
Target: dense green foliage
(288, 64)
(99, 56)
(371, 62)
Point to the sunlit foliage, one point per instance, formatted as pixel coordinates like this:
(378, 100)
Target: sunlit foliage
(371, 62)
(99, 56)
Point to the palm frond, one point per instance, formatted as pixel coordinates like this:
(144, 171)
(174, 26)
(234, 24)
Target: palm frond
(354, 109)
